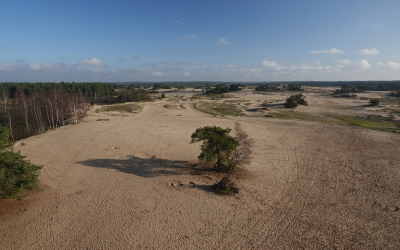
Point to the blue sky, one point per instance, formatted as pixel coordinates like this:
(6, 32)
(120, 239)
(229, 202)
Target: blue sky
(199, 40)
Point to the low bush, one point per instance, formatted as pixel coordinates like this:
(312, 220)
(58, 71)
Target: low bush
(295, 100)
(374, 102)
(226, 186)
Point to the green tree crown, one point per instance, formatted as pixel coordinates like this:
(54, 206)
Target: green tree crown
(16, 173)
(217, 145)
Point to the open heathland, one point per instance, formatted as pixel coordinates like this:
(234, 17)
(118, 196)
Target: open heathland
(322, 176)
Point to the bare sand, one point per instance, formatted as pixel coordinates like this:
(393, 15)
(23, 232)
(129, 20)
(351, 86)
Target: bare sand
(129, 183)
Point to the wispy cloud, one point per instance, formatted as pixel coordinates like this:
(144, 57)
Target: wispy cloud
(223, 40)
(157, 73)
(396, 56)
(6, 67)
(299, 68)
(368, 52)
(186, 74)
(189, 37)
(344, 61)
(179, 22)
(327, 51)
(92, 62)
(391, 65)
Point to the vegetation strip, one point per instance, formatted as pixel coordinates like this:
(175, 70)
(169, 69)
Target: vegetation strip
(377, 123)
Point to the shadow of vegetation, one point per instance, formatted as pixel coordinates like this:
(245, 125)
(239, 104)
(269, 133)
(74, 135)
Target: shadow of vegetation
(153, 167)
(276, 105)
(360, 107)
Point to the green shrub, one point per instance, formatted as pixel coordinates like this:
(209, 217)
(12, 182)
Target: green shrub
(162, 95)
(225, 152)
(291, 103)
(374, 102)
(16, 173)
(295, 100)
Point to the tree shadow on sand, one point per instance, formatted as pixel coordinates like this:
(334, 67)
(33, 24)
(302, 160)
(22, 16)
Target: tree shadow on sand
(153, 167)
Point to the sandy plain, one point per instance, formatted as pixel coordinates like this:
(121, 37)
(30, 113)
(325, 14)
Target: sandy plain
(129, 182)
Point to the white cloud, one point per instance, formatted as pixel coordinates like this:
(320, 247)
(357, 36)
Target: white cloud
(157, 73)
(223, 40)
(270, 63)
(396, 56)
(364, 64)
(230, 66)
(92, 62)
(189, 37)
(368, 52)
(305, 67)
(250, 70)
(317, 62)
(327, 51)
(35, 66)
(391, 65)
(344, 61)
(186, 74)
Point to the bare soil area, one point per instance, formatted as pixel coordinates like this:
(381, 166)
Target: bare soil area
(129, 181)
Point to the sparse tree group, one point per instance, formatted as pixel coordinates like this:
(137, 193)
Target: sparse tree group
(26, 115)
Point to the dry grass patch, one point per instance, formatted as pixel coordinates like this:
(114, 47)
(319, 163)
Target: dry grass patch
(172, 106)
(236, 101)
(216, 108)
(213, 97)
(178, 98)
(372, 122)
(390, 101)
(121, 108)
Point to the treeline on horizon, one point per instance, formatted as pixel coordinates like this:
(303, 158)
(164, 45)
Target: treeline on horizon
(373, 85)
(98, 89)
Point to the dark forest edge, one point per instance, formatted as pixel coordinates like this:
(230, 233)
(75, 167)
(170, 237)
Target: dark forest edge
(32, 108)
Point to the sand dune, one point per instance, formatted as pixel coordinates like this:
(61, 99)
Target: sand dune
(114, 184)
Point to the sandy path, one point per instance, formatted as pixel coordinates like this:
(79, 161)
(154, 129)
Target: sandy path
(106, 185)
